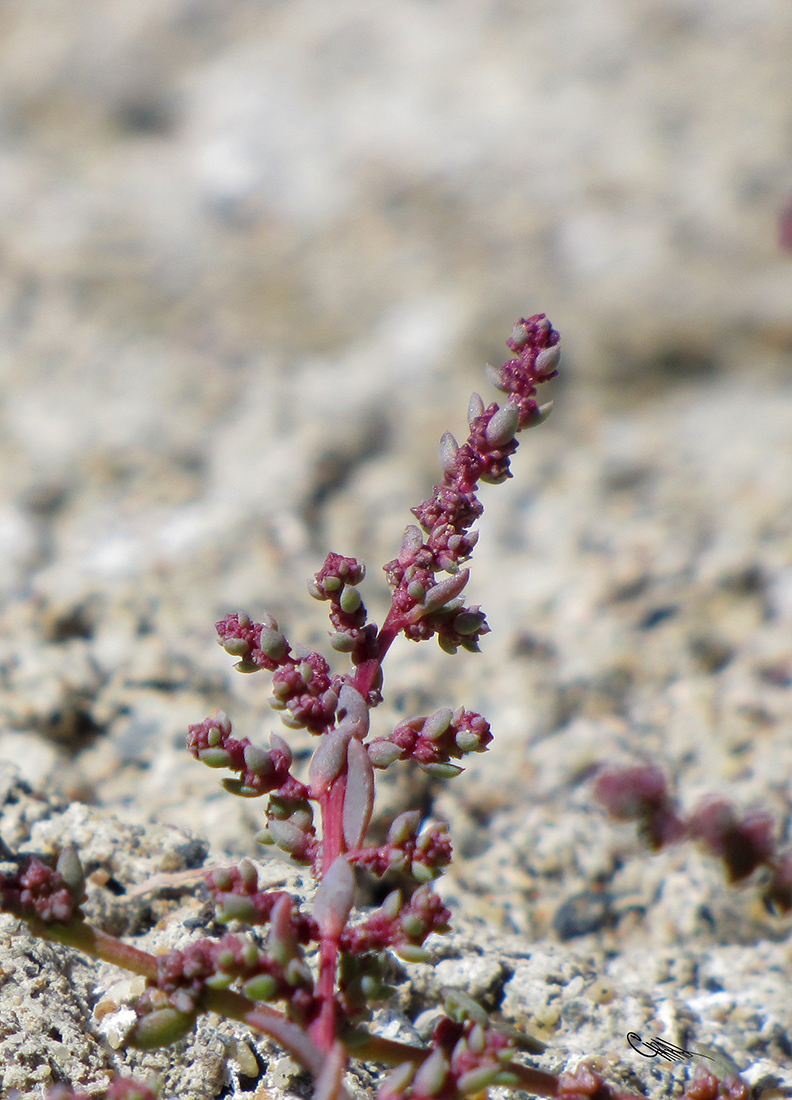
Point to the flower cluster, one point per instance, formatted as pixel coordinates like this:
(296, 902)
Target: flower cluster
(639, 792)
(433, 741)
(426, 606)
(306, 693)
(587, 1083)
(237, 897)
(337, 582)
(257, 645)
(302, 687)
(744, 842)
(38, 891)
(403, 926)
(421, 850)
(184, 975)
(260, 770)
(466, 1058)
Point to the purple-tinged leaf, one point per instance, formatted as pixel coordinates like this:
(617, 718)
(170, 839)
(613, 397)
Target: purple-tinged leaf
(436, 724)
(475, 408)
(547, 361)
(354, 711)
(431, 1076)
(328, 761)
(359, 795)
(503, 425)
(397, 1082)
(444, 591)
(383, 753)
(334, 898)
(411, 543)
(288, 837)
(495, 375)
(448, 452)
(404, 827)
(328, 1084)
(281, 745)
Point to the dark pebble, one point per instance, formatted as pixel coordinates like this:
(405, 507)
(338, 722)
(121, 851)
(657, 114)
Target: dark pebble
(587, 912)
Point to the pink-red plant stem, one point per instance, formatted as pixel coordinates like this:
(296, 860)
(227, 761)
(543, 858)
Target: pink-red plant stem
(323, 1031)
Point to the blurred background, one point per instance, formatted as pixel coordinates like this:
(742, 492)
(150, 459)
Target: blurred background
(325, 209)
